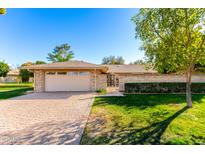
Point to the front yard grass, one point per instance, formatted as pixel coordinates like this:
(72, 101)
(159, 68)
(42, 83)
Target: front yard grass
(9, 90)
(146, 119)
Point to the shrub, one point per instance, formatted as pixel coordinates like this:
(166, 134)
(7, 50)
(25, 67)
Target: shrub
(25, 75)
(163, 87)
(101, 91)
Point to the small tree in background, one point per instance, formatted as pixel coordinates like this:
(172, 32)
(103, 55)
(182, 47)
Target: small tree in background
(4, 69)
(24, 73)
(61, 53)
(40, 62)
(2, 11)
(173, 40)
(112, 60)
(141, 62)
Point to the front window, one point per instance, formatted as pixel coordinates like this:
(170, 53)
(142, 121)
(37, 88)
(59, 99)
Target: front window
(51, 73)
(62, 73)
(83, 73)
(72, 73)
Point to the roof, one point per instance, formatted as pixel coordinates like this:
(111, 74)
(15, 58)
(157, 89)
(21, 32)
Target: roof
(132, 68)
(13, 72)
(73, 64)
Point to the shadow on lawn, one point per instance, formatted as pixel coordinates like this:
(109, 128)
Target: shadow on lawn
(131, 136)
(143, 101)
(14, 93)
(151, 134)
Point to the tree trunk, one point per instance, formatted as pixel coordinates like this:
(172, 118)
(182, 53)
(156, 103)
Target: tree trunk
(188, 89)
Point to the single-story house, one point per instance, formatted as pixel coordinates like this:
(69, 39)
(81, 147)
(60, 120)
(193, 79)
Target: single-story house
(84, 76)
(12, 76)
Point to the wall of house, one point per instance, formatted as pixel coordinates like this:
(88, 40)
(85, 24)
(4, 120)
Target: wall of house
(101, 81)
(31, 79)
(10, 78)
(98, 81)
(39, 81)
(129, 78)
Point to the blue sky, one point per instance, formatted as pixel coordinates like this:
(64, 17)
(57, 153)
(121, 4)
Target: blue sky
(30, 34)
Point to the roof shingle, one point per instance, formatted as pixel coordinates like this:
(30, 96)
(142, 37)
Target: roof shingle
(73, 64)
(132, 68)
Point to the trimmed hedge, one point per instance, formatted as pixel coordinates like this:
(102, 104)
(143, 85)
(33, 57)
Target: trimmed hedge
(171, 87)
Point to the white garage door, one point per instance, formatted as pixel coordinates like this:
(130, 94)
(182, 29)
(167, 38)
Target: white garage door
(67, 81)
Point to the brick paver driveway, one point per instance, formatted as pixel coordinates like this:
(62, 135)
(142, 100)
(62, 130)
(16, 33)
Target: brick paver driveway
(44, 118)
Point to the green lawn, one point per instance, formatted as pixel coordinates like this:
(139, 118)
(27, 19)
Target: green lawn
(146, 119)
(8, 90)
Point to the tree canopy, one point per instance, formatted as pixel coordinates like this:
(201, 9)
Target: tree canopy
(61, 53)
(138, 62)
(112, 60)
(4, 69)
(24, 73)
(173, 39)
(40, 62)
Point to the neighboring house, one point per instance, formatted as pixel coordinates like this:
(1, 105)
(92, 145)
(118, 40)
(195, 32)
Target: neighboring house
(12, 76)
(83, 76)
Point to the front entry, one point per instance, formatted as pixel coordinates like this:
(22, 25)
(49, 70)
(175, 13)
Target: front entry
(112, 80)
(112, 83)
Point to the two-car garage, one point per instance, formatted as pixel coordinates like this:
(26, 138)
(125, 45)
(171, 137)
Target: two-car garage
(67, 81)
(70, 75)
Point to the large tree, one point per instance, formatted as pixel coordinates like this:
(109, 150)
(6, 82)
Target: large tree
(173, 40)
(112, 60)
(2, 11)
(4, 69)
(61, 53)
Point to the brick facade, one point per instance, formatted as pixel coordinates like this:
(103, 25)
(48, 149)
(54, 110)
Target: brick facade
(127, 78)
(39, 81)
(101, 81)
(98, 81)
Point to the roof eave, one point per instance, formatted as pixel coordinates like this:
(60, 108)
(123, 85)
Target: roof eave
(133, 72)
(103, 69)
